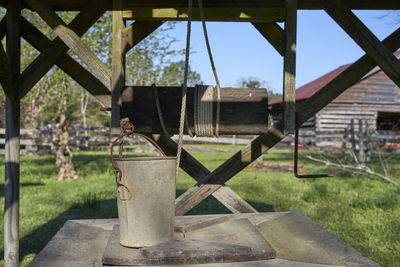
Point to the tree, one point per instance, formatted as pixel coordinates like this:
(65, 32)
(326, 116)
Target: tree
(172, 75)
(65, 101)
(255, 82)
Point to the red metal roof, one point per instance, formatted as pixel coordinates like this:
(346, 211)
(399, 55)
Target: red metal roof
(311, 88)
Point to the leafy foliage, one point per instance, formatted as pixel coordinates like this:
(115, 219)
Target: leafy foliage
(255, 82)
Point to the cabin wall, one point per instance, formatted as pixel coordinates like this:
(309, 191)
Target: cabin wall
(357, 107)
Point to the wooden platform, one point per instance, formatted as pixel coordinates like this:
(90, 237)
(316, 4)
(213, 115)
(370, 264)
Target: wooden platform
(297, 240)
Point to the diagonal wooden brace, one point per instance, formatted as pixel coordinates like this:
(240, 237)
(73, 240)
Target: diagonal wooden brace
(212, 182)
(46, 60)
(364, 38)
(195, 169)
(5, 71)
(83, 77)
(136, 32)
(274, 35)
(72, 40)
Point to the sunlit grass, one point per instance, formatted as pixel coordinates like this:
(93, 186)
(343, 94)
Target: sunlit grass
(362, 211)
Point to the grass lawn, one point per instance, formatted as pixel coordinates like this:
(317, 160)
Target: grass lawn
(362, 211)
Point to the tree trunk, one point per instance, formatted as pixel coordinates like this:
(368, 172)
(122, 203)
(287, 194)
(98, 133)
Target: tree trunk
(62, 152)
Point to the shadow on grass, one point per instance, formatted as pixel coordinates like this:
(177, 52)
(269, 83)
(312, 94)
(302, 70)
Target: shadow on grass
(94, 208)
(21, 184)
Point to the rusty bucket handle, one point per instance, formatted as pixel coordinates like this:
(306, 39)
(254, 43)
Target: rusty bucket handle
(127, 129)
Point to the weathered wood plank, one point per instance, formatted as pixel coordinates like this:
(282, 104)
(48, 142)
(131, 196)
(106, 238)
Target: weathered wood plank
(5, 73)
(289, 67)
(274, 35)
(305, 110)
(69, 5)
(72, 40)
(364, 38)
(3, 28)
(231, 14)
(118, 64)
(46, 60)
(68, 64)
(195, 169)
(136, 32)
(12, 156)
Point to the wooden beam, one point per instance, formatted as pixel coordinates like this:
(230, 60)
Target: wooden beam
(83, 77)
(118, 65)
(364, 38)
(289, 67)
(46, 60)
(12, 156)
(3, 28)
(195, 169)
(72, 40)
(211, 14)
(5, 73)
(136, 32)
(274, 35)
(77, 5)
(212, 182)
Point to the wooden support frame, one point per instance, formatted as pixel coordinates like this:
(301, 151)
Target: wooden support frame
(46, 60)
(274, 34)
(212, 14)
(225, 195)
(72, 40)
(136, 32)
(5, 71)
(289, 68)
(284, 42)
(54, 52)
(364, 38)
(212, 182)
(12, 156)
(67, 64)
(118, 64)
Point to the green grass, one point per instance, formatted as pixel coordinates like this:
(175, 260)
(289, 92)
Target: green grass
(362, 211)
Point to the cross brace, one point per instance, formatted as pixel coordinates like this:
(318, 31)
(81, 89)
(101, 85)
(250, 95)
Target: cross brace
(364, 38)
(46, 60)
(213, 181)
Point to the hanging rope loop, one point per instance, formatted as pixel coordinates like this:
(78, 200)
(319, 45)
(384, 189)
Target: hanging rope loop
(184, 88)
(203, 22)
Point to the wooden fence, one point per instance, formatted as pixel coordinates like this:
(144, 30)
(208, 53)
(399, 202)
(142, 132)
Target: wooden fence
(98, 139)
(35, 141)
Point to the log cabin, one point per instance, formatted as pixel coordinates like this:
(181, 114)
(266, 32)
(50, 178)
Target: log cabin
(372, 103)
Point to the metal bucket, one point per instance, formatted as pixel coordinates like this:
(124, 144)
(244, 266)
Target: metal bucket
(145, 197)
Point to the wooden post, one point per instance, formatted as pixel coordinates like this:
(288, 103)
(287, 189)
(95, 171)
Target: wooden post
(289, 67)
(118, 64)
(11, 188)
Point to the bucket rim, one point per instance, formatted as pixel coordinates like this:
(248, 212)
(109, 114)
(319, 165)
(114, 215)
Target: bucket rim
(144, 158)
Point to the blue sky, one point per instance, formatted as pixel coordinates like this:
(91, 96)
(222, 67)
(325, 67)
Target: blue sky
(240, 51)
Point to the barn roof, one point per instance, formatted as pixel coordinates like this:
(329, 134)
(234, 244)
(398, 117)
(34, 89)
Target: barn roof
(314, 86)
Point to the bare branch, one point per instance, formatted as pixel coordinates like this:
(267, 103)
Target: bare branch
(360, 169)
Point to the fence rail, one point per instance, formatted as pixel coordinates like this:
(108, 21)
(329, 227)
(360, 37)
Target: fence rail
(35, 141)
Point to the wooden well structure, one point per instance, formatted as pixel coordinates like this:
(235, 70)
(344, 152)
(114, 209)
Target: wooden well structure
(106, 84)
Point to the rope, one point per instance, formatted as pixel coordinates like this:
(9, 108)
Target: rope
(159, 111)
(202, 17)
(203, 110)
(184, 88)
